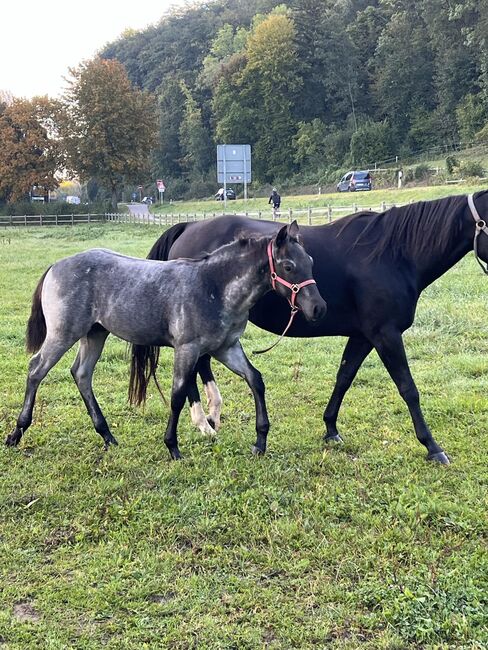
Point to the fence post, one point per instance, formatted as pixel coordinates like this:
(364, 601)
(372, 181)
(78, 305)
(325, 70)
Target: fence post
(383, 206)
(89, 219)
(40, 220)
(10, 219)
(72, 219)
(259, 214)
(289, 215)
(25, 220)
(309, 216)
(329, 212)
(354, 207)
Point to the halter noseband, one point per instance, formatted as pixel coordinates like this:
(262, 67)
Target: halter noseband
(480, 227)
(294, 288)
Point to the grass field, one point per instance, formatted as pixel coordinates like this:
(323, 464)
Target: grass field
(360, 546)
(362, 199)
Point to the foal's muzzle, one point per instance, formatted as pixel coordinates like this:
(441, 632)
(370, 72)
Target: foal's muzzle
(311, 304)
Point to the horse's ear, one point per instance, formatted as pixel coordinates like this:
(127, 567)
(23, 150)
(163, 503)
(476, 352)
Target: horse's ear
(281, 236)
(293, 230)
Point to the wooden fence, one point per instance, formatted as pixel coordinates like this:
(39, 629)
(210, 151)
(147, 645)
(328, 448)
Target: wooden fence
(310, 216)
(50, 219)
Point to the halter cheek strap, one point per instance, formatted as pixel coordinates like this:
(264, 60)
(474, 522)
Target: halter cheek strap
(294, 288)
(480, 227)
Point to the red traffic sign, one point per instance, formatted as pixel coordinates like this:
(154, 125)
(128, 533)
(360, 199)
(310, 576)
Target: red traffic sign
(161, 185)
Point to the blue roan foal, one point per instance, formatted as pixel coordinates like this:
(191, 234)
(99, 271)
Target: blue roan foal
(195, 306)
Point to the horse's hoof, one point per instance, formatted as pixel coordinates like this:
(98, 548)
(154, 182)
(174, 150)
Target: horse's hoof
(440, 457)
(175, 454)
(334, 439)
(13, 439)
(211, 421)
(256, 451)
(110, 440)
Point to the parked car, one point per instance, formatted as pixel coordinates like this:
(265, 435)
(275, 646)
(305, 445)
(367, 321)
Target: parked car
(355, 181)
(231, 195)
(148, 200)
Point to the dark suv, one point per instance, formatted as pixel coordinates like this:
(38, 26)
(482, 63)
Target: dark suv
(231, 195)
(355, 182)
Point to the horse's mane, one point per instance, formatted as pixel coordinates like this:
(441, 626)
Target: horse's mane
(417, 229)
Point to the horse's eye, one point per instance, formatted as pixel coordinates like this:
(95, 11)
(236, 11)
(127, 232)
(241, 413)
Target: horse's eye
(288, 268)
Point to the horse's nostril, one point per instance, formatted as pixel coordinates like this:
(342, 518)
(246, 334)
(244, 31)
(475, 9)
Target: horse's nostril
(319, 311)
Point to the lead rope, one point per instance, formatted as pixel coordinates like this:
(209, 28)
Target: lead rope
(480, 227)
(294, 310)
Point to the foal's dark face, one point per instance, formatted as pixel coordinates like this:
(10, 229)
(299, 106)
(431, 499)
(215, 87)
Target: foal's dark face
(293, 264)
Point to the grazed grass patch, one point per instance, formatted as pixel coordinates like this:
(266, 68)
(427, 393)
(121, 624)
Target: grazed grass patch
(365, 545)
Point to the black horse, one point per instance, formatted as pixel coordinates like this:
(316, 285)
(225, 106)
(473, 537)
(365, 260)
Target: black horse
(194, 306)
(371, 269)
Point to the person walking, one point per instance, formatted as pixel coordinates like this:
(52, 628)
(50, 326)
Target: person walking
(275, 199)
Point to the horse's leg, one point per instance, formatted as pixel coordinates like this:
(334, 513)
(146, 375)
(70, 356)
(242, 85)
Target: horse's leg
(389, 345)
(41, 363)
(356, 350)
(186, 358)
(91, 347)
(235, 359)
(214, 399)
(198, 416)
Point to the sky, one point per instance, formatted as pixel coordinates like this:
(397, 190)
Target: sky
(40, 40)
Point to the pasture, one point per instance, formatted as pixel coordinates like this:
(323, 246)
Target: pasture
(364, 545)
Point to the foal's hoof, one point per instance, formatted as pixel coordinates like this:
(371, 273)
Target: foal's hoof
(256, 451)
(440, 457)
(334, 439)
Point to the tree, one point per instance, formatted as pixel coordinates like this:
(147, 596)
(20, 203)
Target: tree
(195, 141)
(108, 126)
(29, 150)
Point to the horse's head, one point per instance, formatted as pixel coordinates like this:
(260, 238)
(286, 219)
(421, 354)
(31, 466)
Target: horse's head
(292, 273)
(478, 207)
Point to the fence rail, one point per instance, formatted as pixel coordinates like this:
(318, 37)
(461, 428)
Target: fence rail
(310, 216)
(50, 219)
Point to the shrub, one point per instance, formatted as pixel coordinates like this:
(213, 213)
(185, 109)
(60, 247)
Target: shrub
(451, 164)
(471, 168)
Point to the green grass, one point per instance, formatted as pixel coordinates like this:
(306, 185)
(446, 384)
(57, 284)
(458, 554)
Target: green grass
(360, 546)
(360, 199)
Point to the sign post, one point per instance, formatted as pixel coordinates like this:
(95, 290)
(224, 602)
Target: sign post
(233, 166)
(161, 189)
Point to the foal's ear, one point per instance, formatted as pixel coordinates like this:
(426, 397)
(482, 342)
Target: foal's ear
(293, 230)
(281, 236)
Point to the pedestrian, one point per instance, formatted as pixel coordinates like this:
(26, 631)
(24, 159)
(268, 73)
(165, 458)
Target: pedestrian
(275, 199)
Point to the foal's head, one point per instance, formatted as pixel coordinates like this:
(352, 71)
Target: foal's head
(293, 265)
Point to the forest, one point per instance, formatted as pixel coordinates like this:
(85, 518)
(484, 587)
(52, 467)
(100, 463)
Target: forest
(312, 85)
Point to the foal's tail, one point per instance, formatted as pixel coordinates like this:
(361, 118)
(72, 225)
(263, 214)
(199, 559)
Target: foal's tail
(36, 325)
(143, 366)
(160, 250)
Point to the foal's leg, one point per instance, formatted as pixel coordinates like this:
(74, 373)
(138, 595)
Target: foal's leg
(214, 399)
(91, 347)
(186, 358)
(356, 350)
(235, 359)
(389, 344)
(41, 363)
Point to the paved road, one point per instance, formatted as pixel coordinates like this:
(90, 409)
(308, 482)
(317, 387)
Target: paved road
(138, 209)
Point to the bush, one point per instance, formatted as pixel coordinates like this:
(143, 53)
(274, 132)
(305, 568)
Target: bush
(421, 172)
(451, 164)
(471, 169)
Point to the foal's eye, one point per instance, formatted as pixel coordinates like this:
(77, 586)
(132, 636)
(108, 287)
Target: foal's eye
(288, 268)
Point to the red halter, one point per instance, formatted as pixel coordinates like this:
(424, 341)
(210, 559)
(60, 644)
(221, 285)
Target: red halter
(294, 288)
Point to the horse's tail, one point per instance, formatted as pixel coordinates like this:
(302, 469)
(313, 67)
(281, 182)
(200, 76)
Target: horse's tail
(143, 366)
(36, 325)
(160, 250)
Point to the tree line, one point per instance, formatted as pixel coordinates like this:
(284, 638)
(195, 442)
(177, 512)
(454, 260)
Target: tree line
(313, 85)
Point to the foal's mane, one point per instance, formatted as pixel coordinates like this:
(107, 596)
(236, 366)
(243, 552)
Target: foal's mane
(418, 229)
